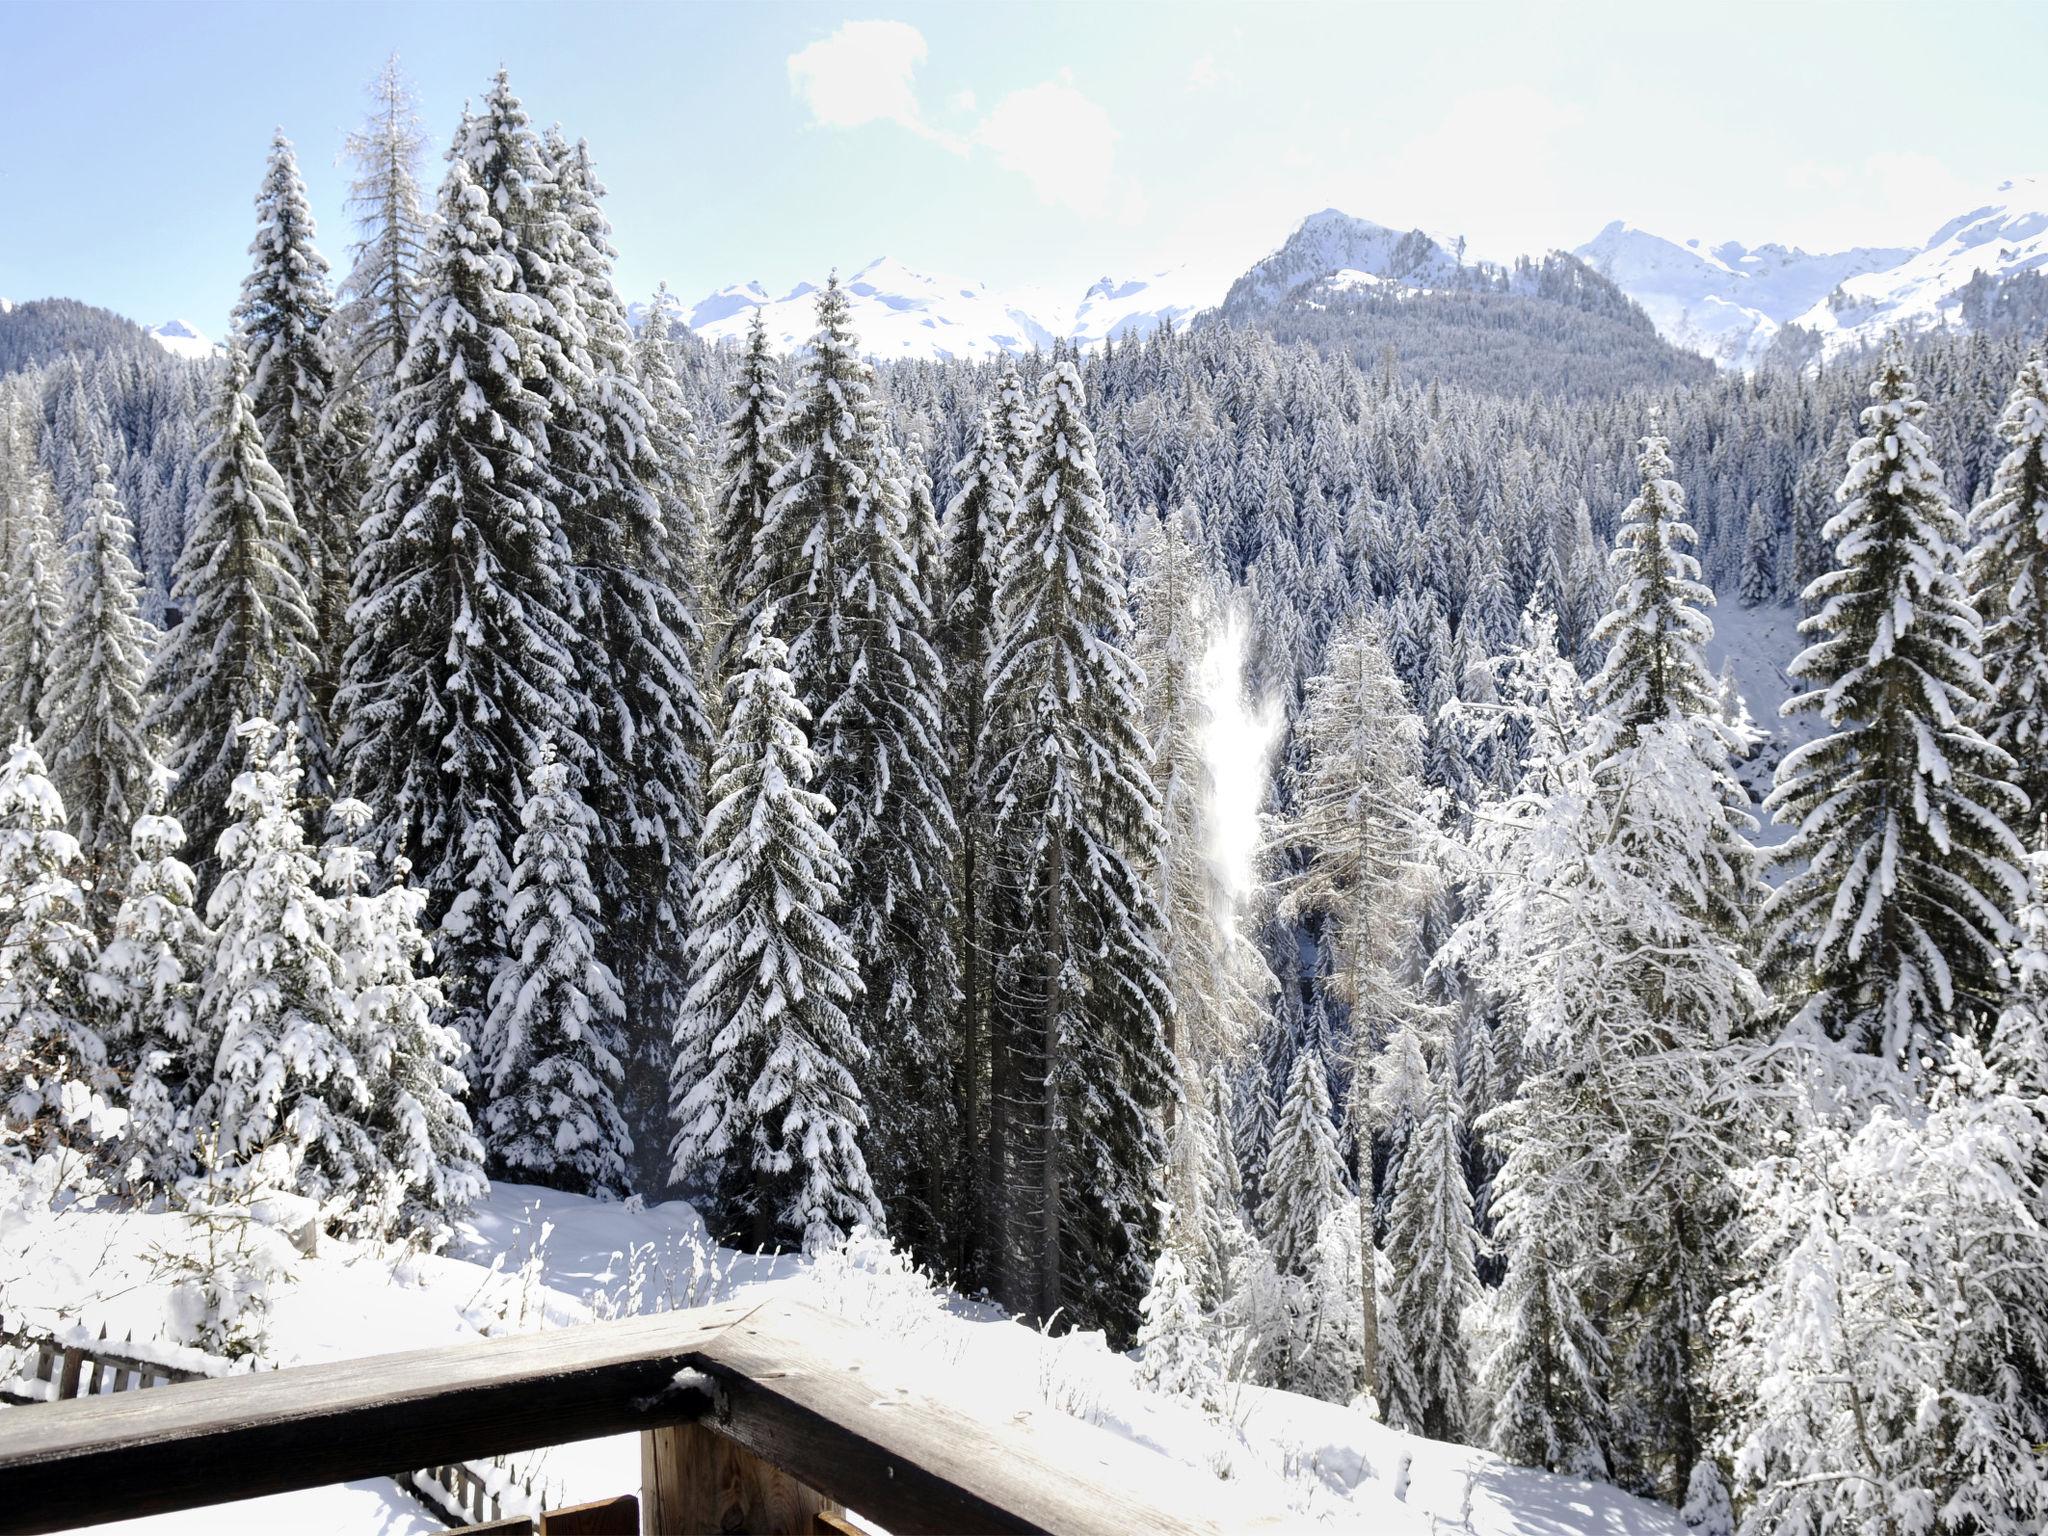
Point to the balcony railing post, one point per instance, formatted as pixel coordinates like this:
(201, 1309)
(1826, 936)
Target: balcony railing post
(695, 1481)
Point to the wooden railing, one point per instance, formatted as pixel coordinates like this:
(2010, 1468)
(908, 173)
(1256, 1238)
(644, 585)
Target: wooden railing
(768, 1417)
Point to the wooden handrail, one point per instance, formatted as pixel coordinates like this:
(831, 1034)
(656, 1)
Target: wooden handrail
(840, 1416)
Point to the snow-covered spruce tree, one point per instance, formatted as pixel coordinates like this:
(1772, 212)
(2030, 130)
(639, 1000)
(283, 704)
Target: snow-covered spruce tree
(54, 1078)
(1895, 1307)
(1759, 558)
(1593, 925)
(637, 656)
(1655, 625)
(1083, 1002)
(976, 523)
(429, 1159)
(678, 485)
(244, 647)
(462, 658)
(1546, 1379)
(1304, 1176)
(766, 1100)
(751, 457)
(1432, 1252)
(285, 321)
(145, 983)
(1707, 1511)
(1176, 1354)
(1887, 933)
(1326, 1357)
(99, 755)
(861, 658)
(1364, 823)
(384, 291)
(35, 608)
(1656, 671)
(552, 1043)
(2008, 573)
(271, 1014)
(1017, 416)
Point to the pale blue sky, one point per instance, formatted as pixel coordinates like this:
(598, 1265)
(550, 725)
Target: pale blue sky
(1023, 143)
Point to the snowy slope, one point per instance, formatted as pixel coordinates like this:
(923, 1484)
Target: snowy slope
(2006, 233)
(1729, 302)
(534, 1258)
(182, 338)
(899, 312)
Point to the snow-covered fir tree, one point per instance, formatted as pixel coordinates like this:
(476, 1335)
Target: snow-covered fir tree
(430, 1162)
(146, 982)
(244, 646)
(1707, 1511)
(766, 1101)
(1083, 1002)
(1327, 1351)
(1432, 1254)
(751, 457)
(552, 1043)
(35, 606)
(2008, 574)
(462, 661)
(1304, 1176)
(976, 523)
(637, 647)
(284, 320)
(1759, 558)
(271, 1017)
(98, 753)
(384, 291)
(1176, 1353)
(55, 1083)
(1895, 1308)
(1887, 933)
(859, 626)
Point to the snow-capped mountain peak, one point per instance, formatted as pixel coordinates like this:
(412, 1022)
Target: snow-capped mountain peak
(1729, 302)
(1333, 241)
(184, 339)
(899, 311)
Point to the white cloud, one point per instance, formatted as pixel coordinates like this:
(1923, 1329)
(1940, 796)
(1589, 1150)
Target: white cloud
(1890, 197)
(866, 72)
(1059, 141)
(1205, 75)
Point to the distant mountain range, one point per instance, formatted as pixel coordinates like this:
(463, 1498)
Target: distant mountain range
(1728, 302)
(1732, 303)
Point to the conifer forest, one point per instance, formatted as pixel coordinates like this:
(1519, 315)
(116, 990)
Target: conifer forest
(1409, 848)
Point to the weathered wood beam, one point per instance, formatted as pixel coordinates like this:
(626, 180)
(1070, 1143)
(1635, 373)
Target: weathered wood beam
(141, 1453)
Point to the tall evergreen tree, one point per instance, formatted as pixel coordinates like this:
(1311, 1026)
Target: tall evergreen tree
(429, 1158)
(862, 661)
(35, 607)
(636, 659)
(1888, 932)
(552, 1044)
(1304, 1177)
(766, 1101)
(99, 755)
(384, 291)
(245, 645)
(977, 520)
(54, 1077)
(285, 319)
(751, 459)
(271, 1014)
(2008, 572)
(1362, 819)
(1083, 1002)
(1432, 1250)
(146, 982)
(462, 661)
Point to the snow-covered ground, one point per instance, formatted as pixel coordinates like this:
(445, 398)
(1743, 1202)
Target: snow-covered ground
(532, 1258)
